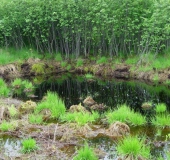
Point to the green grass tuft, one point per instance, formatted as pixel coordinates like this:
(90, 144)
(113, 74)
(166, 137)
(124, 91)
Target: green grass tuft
(53, 103)
(28, 145)
(134, 147)
(6, 126)
(35, 119)
(89, 76)
(79, 63)
(4, 90)
(102, 60)
(85, 153)
(160, 108)
(80, 118)
(161, 120)
(125, 114)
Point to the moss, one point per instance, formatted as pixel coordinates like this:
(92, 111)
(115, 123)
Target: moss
(38, 68)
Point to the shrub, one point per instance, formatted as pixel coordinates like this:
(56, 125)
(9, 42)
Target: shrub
(38, 68)
(4, 91)
(58, 57)
(12, 111)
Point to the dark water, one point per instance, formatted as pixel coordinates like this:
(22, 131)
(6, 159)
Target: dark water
(74, 89)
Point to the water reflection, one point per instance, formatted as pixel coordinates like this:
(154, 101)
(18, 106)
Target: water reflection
(74, 89)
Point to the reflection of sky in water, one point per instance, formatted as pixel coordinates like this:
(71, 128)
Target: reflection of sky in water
(11, 147)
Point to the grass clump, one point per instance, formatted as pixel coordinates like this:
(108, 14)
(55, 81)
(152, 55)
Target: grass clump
(35, 119)
(85, 153)
(4, 90)
(89, 76)
(6, 126)
(63, 64)
(102, 60)
(161, 120)
(58, 57)
(79, 63)
(125, 114)
(53, 103)
(160, 108)
(81, 118)
(28, 145)
(12, 111)
(133, 147)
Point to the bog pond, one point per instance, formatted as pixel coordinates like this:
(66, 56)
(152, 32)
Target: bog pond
(73, 89)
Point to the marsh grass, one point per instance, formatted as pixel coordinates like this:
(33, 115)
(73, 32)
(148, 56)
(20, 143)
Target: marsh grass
(134, 147)
(28, 145)
(81, 118)
(58, 57)
(4, 90)
(12, 111)
(125, 114)
(79, 63)
(12, 55)
(102, 60)
(85, 153)
(53, 103)
(89, 76)
(6, 126)
(35, 118)
(161, 120)
(160, 108)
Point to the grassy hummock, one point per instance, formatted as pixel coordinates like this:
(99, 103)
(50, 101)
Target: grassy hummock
(125, 114)
(28, 145)
(81, 118)
(53, 103)
(133, 147)
(85, 153)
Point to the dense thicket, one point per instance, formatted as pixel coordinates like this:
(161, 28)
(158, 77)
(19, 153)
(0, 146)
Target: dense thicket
(82, 27)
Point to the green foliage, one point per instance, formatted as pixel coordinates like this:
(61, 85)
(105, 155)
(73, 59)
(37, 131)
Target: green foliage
(28, 145)
(79, 63)
(20, 86)
(80, 118)
(6, 126)
(102, 60)
(53, 103)
(125, 114)
(38, 68)
(133, 147)
(35, 118)
(4, 91)
(12, 111)
(160, 108)
(63, 64)
(156, 78)
(89, 76)
(58, 57)
(161, 120)
(68, 67)
(85, 153)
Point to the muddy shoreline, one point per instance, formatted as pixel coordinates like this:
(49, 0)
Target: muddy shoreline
(35, 67)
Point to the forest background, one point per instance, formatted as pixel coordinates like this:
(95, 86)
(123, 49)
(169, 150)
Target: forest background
(86, 27)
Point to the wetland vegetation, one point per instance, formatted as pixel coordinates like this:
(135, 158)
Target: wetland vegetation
(72, 76)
